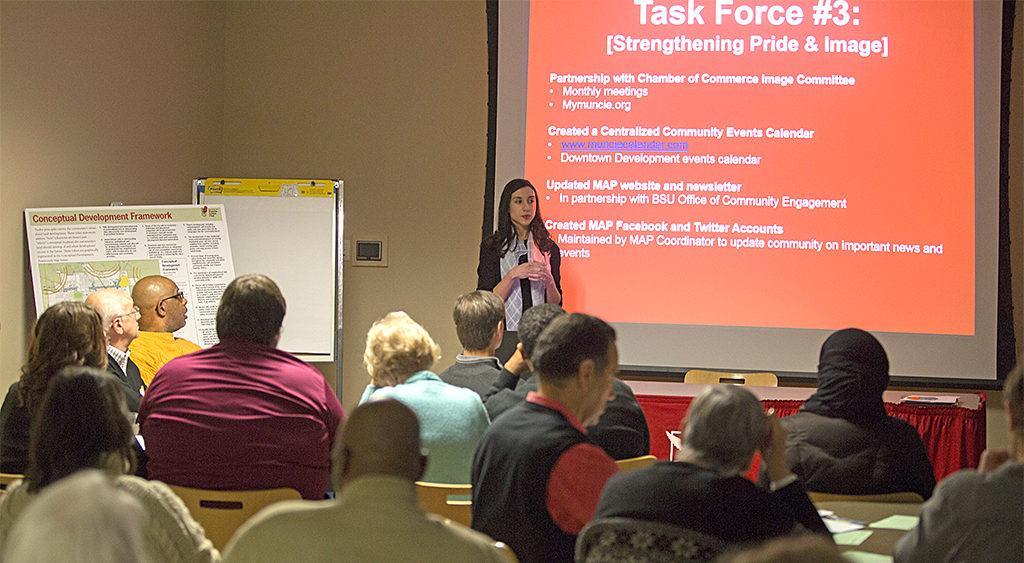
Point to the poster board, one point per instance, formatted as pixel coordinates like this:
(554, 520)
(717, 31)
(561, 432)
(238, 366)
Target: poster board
(289, 230)
(75, 251)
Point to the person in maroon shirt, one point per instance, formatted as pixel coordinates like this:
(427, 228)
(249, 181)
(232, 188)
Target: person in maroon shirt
(242, 414)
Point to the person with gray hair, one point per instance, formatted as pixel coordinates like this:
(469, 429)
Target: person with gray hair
(120, 326)
(723, 430)
(977, 515)
(704, 489)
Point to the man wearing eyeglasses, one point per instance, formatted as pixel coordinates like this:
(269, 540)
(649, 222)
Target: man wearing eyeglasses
(121, 327)
(164, 310)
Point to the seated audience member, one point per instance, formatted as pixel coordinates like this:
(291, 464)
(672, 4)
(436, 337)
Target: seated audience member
(509, 389)
(536, 475)
(164, 310)
(977, 515)
(480, 325)
(121, 326)
(399, 354)
(376, 516)
(66, 334)
(83, 424)
(621, 431)
(842, 441)
(704, 490)
(242, 414)
(82, 518)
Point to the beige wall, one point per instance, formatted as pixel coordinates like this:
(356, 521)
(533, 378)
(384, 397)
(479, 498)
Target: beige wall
(99, 102)
(130, 101)
(392, 98)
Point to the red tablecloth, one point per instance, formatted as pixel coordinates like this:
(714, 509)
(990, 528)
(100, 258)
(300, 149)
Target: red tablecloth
(953, 436)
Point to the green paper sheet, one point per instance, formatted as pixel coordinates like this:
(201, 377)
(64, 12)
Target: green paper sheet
(896, 522)
(865, 557)
(853, 537)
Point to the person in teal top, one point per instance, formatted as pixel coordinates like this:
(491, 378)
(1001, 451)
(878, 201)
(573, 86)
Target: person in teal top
(399, 354)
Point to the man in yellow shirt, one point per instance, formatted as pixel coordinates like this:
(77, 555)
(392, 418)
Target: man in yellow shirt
(164, 310)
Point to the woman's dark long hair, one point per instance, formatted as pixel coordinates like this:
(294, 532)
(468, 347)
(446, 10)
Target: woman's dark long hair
(503, 237)
(81, 421)
(69, 333)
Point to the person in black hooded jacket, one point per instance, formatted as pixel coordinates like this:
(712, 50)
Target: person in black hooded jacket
(842, 441)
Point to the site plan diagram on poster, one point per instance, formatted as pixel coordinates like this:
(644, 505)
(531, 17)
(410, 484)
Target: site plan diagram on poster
(76, 251)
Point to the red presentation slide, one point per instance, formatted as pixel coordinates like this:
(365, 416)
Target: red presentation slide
(719, 162)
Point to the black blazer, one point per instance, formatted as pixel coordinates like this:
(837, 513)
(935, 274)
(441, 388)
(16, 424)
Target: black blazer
(131, 382)
(488, 270)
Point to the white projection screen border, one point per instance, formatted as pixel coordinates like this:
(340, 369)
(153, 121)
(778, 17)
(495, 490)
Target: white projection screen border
(666, 347)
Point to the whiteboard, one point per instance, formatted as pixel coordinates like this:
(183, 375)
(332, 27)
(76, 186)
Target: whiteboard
(289, 230)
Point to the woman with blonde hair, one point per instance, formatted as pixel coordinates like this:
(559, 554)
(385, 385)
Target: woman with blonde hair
(67, 334)
(399, 355)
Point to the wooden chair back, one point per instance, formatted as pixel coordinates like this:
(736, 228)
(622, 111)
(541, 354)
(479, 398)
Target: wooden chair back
(221, 513)
(434, 499)
(8, 478)
(760, 379)
(906, 497)
(635, 463)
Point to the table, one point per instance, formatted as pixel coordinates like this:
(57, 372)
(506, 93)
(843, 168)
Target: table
(882, 540)
(953, 436)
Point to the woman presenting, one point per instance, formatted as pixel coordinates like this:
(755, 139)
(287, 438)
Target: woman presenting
(520, 262)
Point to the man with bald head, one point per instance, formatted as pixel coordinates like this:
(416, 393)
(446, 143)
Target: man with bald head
(376, 517)
(164, 310)
(121, 327)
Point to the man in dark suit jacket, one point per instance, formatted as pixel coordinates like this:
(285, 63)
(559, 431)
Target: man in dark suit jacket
(121, 326)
